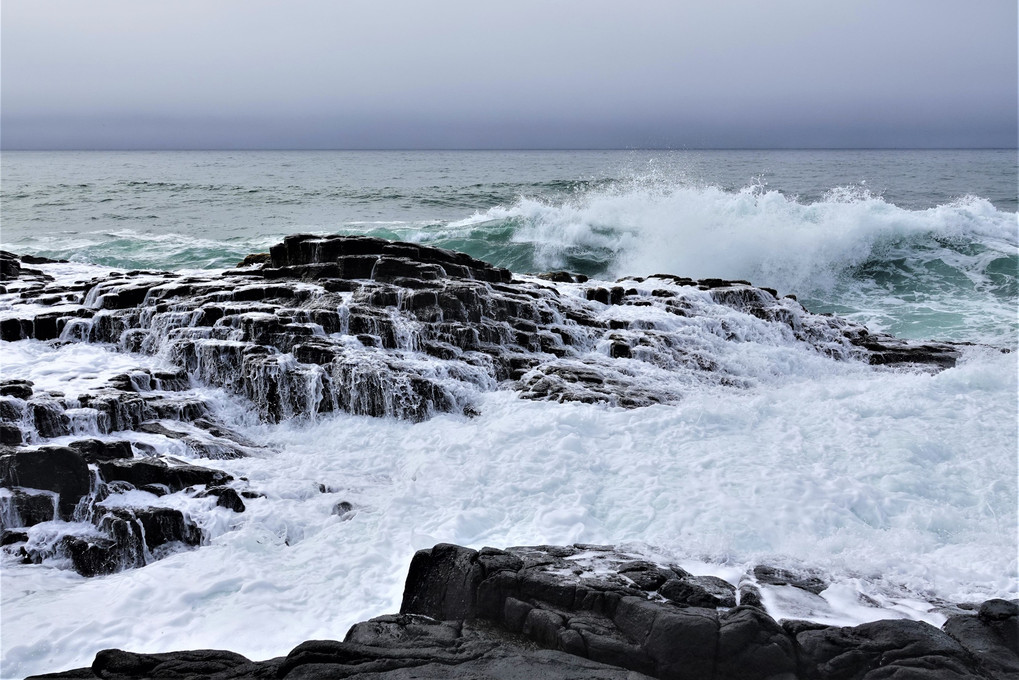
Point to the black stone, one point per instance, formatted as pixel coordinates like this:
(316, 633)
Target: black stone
(27, 509)
(50, 468)
(22, 389)
(781, 577)
(700, 591)
(143, 471)
(10, 537)
(10, 435)
(95, 450)
(225, 498)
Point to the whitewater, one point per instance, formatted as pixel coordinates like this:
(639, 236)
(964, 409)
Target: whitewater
(900, 486)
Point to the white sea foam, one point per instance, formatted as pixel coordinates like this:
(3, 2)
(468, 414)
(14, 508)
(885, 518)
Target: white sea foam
(948, 271)
(901, 486)
(761, 235)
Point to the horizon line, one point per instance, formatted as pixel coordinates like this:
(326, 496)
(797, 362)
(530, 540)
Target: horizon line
(520, 149)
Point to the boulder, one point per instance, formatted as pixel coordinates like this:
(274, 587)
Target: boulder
(140, 472)
(225, 498)
(573, 612)
(699, 591)
(21, 389)
(50, 468)
(21, 509)
(96, 450)
(992, 637)
(883, 649)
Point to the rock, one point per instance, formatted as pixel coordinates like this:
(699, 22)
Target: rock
(883, 649)
(753, 646)
(563, 277)
(992, 637)
(10, 537)
(344, 510)
(225, 498)
(22, 509)
(781, 577)
(166, 525)
(700, 591)
(128, 538)
(50, 419)
(442, 583)
(10, 435)
(750, 595)
(140, 472)
(326, 323)
(559, 612)
(646, 575)
(197, 663)
(96, 450)
(95, 556)
(21, 389)
(254, 259)
(50, 468)
(10, 266)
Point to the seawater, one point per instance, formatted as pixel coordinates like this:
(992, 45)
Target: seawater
(902, 486)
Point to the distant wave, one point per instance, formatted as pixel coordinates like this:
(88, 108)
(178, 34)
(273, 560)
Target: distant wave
(951, 270)
(751, 233)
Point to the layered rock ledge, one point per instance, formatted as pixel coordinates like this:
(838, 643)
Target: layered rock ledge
(359, 324)
(397, 329)
(587, 611)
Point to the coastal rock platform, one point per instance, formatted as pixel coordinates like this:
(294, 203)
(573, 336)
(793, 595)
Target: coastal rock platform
(111, 477)
(343, 323)
(587, 611)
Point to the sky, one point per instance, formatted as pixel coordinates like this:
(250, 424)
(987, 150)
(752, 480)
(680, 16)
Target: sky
(234, 74)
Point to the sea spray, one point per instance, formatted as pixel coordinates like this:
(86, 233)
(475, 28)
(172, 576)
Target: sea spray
(901, 486)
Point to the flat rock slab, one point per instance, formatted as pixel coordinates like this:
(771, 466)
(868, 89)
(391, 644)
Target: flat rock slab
(543, 612)
(405, 330)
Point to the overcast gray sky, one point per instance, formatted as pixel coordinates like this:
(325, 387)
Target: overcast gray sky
(523, 74)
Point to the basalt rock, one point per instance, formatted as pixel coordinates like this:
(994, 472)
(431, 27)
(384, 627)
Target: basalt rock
(574, 612)
(51, 468)
(96, 450)
(23, 509)
(225, 498)
(126, 538)
(141, 472)
(73, 482)
(385, 328)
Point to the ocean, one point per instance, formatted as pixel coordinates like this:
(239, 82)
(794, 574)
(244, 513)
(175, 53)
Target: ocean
(900, 485)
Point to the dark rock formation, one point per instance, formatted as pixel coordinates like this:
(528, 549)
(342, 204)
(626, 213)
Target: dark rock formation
(142, 472)
(579, 612)
(385, 328)
(45, 482)
(781, 577)
(368, 326)
(95, 450)
(992, 636)
(21, 509)
(225, 498)
(50, 468)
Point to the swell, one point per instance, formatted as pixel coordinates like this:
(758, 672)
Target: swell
(950, 270)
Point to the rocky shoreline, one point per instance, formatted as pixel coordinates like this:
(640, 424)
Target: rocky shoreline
(587, 611)
(386, 329)
(357, 324)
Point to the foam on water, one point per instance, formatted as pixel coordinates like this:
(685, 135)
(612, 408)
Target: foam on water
(842, 253)
(901, 486)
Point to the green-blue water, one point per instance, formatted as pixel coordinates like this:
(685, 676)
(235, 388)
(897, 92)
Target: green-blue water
(920, 243)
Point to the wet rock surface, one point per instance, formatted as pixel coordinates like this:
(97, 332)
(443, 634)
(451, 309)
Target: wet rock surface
(578, 612)
(378, 328)
(55, 474)
(397, 329)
